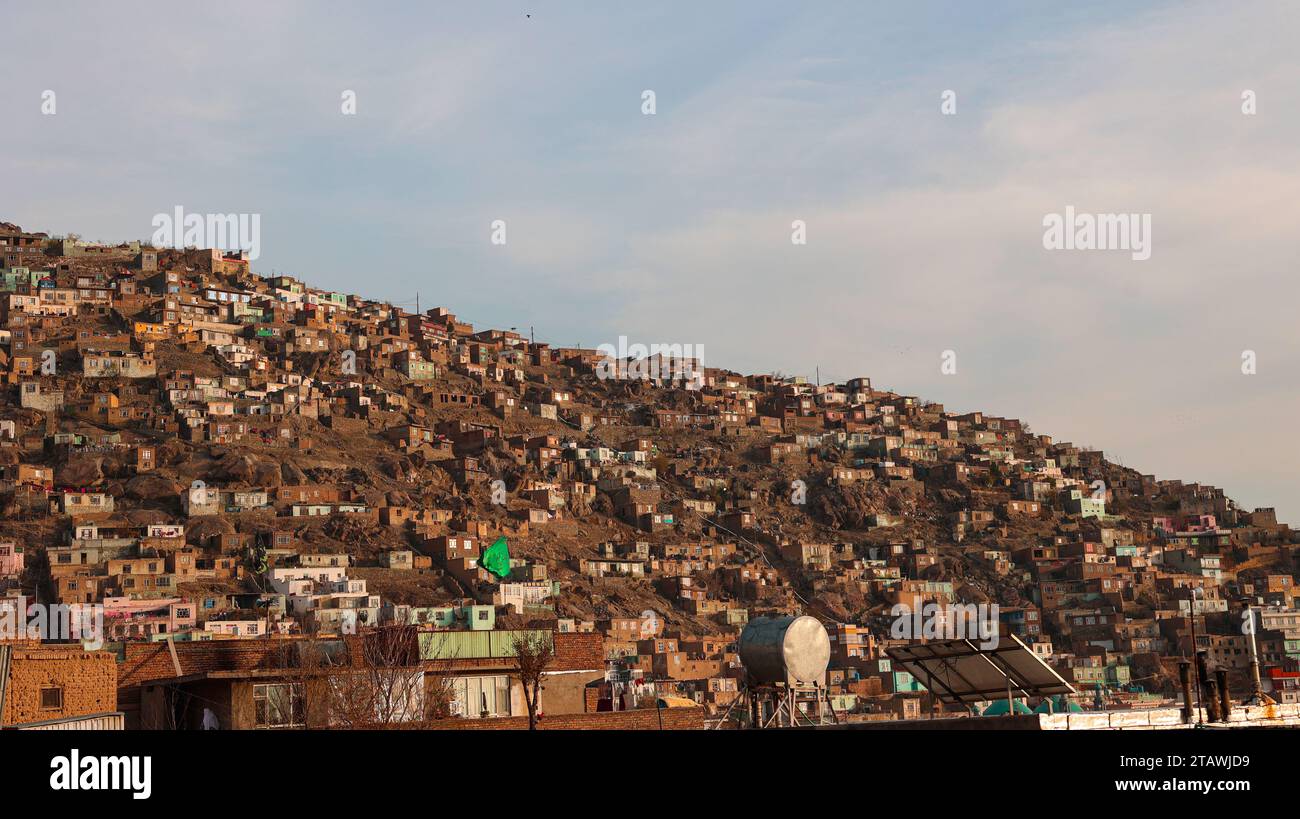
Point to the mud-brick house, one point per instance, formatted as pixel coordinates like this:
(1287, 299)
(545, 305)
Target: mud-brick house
(57, 687)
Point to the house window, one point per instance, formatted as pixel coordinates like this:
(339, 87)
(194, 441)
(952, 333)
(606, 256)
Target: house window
(51, 698)
(475, 696)
(279, 705)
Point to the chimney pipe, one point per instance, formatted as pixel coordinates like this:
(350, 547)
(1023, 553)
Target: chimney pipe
(1185, 677)
(1209, 690)
(1225, 698)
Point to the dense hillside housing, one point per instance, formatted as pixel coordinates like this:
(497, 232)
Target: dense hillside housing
(250, 478)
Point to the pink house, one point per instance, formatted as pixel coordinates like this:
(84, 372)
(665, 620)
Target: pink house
(1188, 523)
(129, 618)
(11, 559)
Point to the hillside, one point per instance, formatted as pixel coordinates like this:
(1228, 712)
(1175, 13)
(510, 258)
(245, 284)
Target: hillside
(738, 492)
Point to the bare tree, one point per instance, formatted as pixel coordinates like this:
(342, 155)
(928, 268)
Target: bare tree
(374, 679)
(368, 680)
(439, 682)
(534, 651)
(380, 683)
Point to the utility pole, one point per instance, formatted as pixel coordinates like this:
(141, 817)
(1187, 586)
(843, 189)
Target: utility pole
(1196, 660)
(1256, 688)
(1185, 678)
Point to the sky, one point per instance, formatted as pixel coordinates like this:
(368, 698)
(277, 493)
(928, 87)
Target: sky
(924, 229)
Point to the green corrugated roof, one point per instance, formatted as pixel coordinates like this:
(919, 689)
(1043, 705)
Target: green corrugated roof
(472, 645)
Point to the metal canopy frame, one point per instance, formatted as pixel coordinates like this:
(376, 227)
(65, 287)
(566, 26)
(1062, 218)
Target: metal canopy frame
(957, 671)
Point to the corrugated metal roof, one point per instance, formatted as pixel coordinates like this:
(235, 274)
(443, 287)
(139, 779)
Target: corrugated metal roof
(473, 645)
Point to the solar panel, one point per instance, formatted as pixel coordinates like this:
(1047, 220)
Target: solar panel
(960, 671)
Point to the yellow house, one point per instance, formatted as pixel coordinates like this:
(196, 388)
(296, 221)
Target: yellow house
(145, 329)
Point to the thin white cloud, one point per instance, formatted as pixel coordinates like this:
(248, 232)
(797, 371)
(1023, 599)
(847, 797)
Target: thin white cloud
(924, 230)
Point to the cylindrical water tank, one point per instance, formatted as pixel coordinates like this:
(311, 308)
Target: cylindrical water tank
(785, 649)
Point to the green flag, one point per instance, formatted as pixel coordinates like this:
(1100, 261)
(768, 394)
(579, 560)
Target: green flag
(496, 558)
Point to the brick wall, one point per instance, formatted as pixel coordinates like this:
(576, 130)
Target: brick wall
(88, 680)
(642, 719)
(579, 651)
(143, 662)
(152, 661)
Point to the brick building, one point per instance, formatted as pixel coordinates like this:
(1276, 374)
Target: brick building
(42, 684)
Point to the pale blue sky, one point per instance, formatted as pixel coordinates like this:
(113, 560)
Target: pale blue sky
(924, 230)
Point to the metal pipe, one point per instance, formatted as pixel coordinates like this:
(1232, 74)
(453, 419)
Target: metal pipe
(1225, 698)
(1211, 698)
(1257, 688)
(1195, 655)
